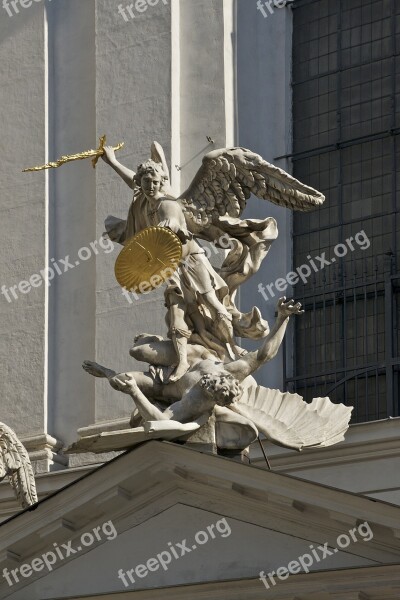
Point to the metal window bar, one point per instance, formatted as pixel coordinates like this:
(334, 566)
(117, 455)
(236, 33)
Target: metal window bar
(358, 306)
(353, 313)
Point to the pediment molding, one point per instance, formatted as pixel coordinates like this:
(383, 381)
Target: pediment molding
(156, 476)
(369, 583)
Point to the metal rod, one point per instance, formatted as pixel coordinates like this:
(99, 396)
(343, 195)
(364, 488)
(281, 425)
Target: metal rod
(265, 456)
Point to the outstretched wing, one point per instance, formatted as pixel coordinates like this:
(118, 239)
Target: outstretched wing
(15, 463)
(228, 177)
(286, 420)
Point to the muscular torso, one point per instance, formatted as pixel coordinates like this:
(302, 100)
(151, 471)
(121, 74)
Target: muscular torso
(190, 379)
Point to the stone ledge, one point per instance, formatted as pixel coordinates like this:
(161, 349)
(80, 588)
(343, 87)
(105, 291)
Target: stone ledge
(45, 453)
(104, 426)
(96, 429)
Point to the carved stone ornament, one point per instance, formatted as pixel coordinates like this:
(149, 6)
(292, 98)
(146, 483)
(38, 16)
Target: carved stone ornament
(16, 466)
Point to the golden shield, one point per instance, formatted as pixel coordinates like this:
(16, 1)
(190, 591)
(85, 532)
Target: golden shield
(148, 259)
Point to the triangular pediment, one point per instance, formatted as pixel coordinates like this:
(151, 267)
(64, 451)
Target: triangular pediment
(151, 499)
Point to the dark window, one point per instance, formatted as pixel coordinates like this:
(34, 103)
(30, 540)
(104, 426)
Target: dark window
(346, 121)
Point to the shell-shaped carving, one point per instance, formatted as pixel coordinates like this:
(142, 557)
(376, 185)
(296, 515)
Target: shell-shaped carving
(148, 259)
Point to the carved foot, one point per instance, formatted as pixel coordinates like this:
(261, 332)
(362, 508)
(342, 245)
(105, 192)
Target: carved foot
(179, 371)
(97, 370)
(224, 327)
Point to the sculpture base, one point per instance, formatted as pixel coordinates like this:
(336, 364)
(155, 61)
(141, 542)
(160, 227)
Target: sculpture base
(204, 439)
(242, 456)
(123, 440)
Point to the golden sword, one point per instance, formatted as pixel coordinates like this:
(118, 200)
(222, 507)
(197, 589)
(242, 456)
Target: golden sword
(80, 156)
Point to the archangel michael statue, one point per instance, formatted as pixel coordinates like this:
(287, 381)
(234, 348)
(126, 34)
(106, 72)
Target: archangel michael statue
(200, 371)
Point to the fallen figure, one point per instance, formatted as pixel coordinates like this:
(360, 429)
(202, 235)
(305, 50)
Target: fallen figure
(242, 409)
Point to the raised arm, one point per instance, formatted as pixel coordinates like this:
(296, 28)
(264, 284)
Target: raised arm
(126, 174)
(252, 361)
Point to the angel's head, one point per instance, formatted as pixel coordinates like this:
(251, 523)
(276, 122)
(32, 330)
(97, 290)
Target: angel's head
(223, 387)
(152, 179)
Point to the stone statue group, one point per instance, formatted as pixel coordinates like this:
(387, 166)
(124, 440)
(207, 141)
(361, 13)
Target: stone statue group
(199, 375)
(199, 383)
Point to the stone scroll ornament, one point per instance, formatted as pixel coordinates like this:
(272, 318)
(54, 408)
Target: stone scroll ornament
(16, 466)
(199, 381)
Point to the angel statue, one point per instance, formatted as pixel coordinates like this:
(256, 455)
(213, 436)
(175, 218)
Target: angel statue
(211, 393)
(202, 315)
(16, 465)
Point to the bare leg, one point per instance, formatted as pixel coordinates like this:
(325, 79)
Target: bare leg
(180, 344)
(146, 338)
(212, 300)
(145, 382)
(179, 333)
(154, 352)
(223, 319)
(203, 336)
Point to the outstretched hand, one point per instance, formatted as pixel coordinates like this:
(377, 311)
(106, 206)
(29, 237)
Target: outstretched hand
(109, 155)
(126, 385)
(287, 308)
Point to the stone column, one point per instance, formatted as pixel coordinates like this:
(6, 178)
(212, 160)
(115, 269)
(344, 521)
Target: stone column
(25, 240)
(72, 224)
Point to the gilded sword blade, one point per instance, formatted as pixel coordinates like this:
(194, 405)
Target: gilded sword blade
(94, 154)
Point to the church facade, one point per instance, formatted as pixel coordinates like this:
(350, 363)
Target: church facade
(163, 520)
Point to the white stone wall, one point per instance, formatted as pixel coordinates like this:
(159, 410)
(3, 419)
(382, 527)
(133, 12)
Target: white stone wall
(24, 220)
(365, 463)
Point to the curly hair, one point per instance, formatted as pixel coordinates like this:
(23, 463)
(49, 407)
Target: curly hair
(223, 386)
(150, 166)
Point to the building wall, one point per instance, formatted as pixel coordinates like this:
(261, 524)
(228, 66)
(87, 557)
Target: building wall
(24, 221)
(264, 47)
(365, 463)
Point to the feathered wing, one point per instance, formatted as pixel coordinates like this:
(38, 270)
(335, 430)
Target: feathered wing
(16, 465)
(286, 420)
(228, 177)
